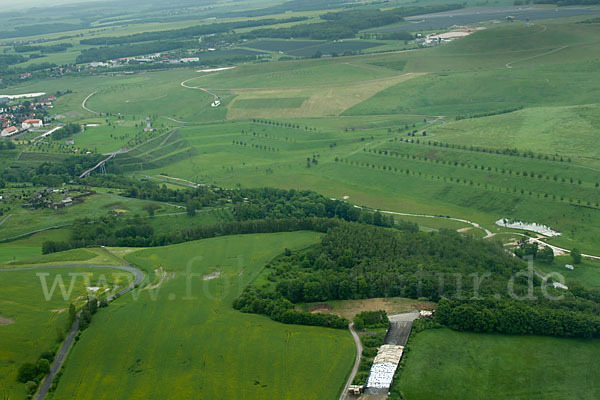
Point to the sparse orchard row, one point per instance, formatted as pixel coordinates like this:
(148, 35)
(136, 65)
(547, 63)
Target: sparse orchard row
(482, 167)
(469, 181)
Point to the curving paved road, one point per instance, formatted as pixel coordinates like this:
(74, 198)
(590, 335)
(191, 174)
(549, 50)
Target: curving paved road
(68, 343)
(359, 349)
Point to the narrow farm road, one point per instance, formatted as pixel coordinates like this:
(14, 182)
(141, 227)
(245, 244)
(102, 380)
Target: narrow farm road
(184, 84)
(68, 343)
(85, 101)
(488, 233)
(359, 349)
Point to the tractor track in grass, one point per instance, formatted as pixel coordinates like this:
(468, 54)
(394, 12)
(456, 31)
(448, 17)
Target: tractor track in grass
(5, 218)
(509, 65)
(62, 353)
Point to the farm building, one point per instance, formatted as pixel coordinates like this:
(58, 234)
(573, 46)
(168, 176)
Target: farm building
(11, 130)
(356, 389)
(32, 123)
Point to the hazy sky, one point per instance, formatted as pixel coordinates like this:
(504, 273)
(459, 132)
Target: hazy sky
(22, 4)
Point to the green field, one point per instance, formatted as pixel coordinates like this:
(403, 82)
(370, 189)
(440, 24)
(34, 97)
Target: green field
(30, 324)
(482, 366)
(202, 348)
(586, 274)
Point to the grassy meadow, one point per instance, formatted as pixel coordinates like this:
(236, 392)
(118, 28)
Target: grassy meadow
(202, 348)
(476, 366)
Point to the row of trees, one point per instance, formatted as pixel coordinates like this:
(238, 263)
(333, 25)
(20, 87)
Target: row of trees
(257, 301)
(346, 24)
(469, 181)
(489, 113)
(482, 167)
(130, 50)
(87, 233)
(506, 152)
(66, 131)
(262, 210)
(64, 169)
(187, 33)
(53, 48)
(371, 319)
(517, 317)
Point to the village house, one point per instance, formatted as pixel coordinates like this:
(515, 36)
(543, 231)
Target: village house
(32, 123)
(11, 130)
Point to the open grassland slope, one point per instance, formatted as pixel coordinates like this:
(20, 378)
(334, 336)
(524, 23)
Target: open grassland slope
(173, 347)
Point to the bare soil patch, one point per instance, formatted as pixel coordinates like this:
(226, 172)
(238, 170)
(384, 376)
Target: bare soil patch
(214, 275)
(319, 308)
(6, 321)
(349, 308)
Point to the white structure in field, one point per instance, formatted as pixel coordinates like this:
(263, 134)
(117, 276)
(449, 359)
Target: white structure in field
(569, 266)
(384, 366)
(558, 285)
(32, 123)
(527, 226)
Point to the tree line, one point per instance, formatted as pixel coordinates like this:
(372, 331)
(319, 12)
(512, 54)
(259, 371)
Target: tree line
(346, 24)
(518, 318)
(355, 261)
(188, 33)
(66, 131)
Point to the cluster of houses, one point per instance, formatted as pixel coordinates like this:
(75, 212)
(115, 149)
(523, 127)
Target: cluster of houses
(56, 198)
(156, 58)
(435, 39)
(19, 117)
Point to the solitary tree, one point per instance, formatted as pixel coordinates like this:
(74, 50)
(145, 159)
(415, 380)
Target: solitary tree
(576, 256)
(190, 206)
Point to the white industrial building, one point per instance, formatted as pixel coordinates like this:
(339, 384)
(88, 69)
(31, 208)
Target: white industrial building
(384, 366)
